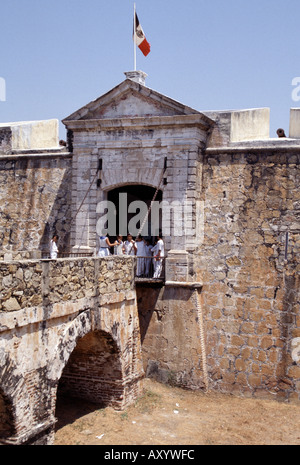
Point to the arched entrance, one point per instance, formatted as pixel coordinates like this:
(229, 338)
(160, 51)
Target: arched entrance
(93, 371)
(131, 205)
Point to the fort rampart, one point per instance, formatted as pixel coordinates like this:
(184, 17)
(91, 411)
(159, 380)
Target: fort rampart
(69, 326)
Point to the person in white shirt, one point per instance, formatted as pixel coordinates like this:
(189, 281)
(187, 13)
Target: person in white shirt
(129, 246)
(140, 253)
(53, 247)
(104, 246)
(159, 253)
(148, 253)
(153, 251)
(119, 248)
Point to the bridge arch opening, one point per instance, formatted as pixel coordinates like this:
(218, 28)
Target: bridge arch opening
(131, 206)
(93, 372)
(7, 427)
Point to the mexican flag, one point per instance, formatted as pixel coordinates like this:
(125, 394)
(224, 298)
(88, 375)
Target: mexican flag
(139, 37)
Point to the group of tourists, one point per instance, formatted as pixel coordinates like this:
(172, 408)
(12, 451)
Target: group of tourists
(149, 256)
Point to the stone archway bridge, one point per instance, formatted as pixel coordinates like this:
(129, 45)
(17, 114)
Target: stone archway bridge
(69, 322)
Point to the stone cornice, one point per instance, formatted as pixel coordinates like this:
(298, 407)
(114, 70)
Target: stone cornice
(271, 145)
(138, 123)
(21, 154)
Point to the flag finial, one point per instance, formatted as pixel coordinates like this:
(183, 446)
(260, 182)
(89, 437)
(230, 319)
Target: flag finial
(137, 76)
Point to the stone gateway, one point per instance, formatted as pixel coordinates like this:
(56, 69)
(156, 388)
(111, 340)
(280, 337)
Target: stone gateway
(224, 314)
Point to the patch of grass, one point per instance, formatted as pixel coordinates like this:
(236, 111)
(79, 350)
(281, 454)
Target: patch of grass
(83, 424)
(172, 378)
(124, 416)
(148, 401)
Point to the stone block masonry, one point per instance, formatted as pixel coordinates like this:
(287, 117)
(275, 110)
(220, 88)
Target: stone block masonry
(68, 326)
(35, 203)
(170, 336)
(249, 266)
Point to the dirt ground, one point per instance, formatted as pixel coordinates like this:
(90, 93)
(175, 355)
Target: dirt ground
(166, 415)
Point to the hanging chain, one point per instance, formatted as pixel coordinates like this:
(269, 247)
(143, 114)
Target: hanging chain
(154, 197)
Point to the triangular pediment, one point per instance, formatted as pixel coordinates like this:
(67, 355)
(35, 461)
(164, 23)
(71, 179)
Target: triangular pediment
(130, 100)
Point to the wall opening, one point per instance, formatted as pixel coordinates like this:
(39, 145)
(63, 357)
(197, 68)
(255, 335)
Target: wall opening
(93, 376)
(6, 418)
(132, 203)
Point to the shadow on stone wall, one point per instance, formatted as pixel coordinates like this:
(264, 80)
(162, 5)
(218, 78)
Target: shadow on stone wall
(152, 299)
(59, 219)
(36, 202)
(147, 298)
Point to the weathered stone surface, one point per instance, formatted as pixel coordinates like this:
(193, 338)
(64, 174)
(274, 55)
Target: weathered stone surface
(294, 130)
(36, 203)
(251, 298)
(30, 135)
(11, 304)
(54, 317)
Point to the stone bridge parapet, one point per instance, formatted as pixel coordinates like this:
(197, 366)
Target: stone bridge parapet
(69, 325)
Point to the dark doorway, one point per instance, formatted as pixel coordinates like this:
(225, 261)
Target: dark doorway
(6, 418)
(132, 203)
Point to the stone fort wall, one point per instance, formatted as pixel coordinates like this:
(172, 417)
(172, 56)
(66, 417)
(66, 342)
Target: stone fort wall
(248, 263)
(35, 202)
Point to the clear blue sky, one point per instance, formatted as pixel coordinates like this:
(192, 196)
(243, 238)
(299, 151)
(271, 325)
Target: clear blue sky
(58, 55)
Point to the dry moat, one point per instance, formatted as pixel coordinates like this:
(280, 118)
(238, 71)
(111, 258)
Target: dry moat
(166, 415)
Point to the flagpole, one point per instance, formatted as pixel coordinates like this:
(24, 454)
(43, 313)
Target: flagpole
(134, 31)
